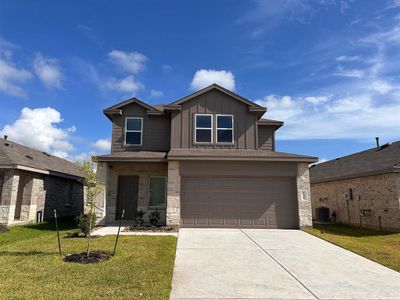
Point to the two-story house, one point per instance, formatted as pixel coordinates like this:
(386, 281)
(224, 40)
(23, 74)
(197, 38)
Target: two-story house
(206, 160)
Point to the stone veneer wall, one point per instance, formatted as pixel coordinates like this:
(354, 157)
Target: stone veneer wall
(380, 194)
(41, 193)
(8, 195)
(141, 169)
(174, 194)
(304, 195)
(101, 174)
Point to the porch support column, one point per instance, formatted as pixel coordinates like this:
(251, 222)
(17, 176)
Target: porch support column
(304, 195)
(173, 212)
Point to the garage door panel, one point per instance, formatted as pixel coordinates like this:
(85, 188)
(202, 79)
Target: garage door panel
(239, 202)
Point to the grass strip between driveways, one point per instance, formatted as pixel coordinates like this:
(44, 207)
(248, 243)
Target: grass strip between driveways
(380, 246)
(32, 269)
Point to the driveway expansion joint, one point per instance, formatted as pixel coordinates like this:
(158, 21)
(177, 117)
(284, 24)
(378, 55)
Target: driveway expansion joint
(279, 264)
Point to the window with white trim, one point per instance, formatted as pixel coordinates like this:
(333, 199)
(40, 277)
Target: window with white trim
(133, 131)
(203, 128)
(225, 129)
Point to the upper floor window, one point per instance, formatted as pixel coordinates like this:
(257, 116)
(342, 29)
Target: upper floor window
(203, 128)
(224, 128)
(133, 131)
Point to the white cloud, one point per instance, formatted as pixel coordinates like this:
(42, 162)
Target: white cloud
(203, 78)
(166, 68)
(127, 85)
(282, 107)
(349, 73)
(102, 145)
(356, 116)
(48, 70)
(80, 157)
(350, 104)
(38, 128)
(132, 62)
(317, 99)
(156, 93)
(346, 58)
(11, 78)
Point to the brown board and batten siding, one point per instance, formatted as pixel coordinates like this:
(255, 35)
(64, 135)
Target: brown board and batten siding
(266, 138)
(156, 130)
(214, 102)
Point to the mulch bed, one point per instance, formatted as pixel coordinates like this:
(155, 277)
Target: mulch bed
(152, 228)
(83, 258)
(71, 235)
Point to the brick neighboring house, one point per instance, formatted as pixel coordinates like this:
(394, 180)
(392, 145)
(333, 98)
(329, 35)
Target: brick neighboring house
(362, 188)
(33, 183)
(206, 160)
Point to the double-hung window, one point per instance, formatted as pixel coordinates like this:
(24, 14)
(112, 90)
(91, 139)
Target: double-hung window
(203, 128)
(225, 129)
(133, 131)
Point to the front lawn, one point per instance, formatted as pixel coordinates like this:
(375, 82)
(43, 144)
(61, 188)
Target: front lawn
(32, 269)
(379, 246)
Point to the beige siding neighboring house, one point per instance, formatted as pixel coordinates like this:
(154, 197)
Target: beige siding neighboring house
(33, 183)
(363, 189)
(206, 160)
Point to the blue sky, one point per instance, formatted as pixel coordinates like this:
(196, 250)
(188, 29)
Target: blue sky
(328, 69)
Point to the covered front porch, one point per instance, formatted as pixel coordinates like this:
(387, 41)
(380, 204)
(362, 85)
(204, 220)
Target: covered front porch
(135, 183)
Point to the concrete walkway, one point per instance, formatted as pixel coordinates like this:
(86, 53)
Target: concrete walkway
(113, 230)
(274, 264)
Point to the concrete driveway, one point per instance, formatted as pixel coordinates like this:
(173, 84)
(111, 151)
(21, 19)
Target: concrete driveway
(274, 264)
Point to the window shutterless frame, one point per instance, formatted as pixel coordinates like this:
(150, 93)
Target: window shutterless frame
(224, 128)
(141, 130)
(205, 128)
(165, 192)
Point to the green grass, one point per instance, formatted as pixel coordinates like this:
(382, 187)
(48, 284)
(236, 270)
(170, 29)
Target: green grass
(30, 267)
(379, 246)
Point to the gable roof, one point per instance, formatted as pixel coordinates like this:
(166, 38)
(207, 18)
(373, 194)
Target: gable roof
(117, 108)
(17, 156)
(385, 159)
(160, 109)
(221, 89)
(129, 101)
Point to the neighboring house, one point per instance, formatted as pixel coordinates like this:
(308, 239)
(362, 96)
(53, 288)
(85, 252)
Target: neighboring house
(363, 189)
(33, 183)
(206, 160)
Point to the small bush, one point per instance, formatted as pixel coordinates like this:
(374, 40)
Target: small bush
(154, 217)
(86, 222)
(139, 218)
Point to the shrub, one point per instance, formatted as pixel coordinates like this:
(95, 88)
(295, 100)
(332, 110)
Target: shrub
(86, 222)
(139, 218)
(154, 217)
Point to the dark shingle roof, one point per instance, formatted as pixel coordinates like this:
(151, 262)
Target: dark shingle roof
(384, 159)
(13, 155)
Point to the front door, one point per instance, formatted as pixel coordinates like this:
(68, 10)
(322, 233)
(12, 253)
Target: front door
(127, 196)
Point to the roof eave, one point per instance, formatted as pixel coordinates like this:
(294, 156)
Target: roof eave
(356, 175)
(128, 159)
(248, 158)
